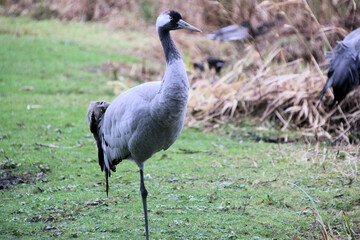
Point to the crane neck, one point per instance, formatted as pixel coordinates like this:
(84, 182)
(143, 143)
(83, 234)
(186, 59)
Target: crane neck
(170, 50)
(169, 105)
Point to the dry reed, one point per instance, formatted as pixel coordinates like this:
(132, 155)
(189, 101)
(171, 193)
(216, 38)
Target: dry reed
(284, 93)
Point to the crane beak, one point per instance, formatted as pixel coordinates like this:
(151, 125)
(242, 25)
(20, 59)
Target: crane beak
(184, 25)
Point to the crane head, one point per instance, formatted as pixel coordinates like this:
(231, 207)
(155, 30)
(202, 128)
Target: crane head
(172, 20)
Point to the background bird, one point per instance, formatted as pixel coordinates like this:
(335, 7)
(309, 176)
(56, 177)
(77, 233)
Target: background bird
(147, 118)
(199, 65)
(344, 70)
(245, 32)
(215, 63)
(241, 32)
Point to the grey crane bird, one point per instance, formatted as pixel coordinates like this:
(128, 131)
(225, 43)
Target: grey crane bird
(241, 32)
(344, 70)
(147, 118)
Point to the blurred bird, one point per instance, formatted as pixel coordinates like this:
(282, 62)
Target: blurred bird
(344, 70)
(199, 65)
(147, 118)
(215, 63)
(242, 32)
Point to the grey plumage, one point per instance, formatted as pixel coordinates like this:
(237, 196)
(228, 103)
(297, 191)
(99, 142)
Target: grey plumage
(147, 118)
(241, 32)
(344, 70)
(230, 33)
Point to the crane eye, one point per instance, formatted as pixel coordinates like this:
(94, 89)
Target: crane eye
(171, 18)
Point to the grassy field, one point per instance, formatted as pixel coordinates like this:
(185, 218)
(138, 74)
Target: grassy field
(206, 186)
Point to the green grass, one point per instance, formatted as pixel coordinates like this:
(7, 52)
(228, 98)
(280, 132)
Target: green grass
(206, 186)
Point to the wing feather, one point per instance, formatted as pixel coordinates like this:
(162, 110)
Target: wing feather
(121, 121)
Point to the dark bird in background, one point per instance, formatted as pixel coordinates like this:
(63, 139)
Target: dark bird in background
(344, 70)
(213, 63)
(147, 118)
(199, 65)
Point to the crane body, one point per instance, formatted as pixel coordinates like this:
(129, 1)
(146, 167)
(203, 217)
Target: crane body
(147, 118)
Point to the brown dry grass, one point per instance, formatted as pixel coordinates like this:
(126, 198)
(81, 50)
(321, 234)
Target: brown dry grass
(273, 89)
(206, 14)
(280, 87)
(285, 94)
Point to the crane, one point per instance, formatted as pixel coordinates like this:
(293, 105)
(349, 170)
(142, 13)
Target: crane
(242, 32)
(147, 118)
(344, 70)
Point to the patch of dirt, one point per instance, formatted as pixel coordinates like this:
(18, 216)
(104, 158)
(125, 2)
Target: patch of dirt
(8, 178)
(10, 175)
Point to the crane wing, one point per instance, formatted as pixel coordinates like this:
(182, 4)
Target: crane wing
(120, 124)
(230, 33)
(121, 121)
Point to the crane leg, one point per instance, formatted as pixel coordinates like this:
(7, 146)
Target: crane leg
(144, 194)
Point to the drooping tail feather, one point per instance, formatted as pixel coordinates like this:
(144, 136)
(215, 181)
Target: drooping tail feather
(95, 116)
(327, 85)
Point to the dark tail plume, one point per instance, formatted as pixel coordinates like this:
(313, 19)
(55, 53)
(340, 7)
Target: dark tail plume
(327, 85)
(95, 116)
